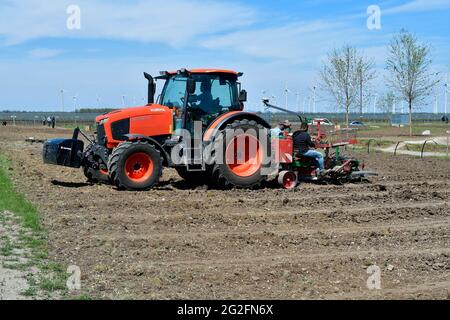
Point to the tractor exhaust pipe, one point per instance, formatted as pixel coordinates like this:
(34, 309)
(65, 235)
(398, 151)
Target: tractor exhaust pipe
(151, 88)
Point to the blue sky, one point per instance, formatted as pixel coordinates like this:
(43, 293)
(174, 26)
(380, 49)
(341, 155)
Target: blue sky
(272, 42)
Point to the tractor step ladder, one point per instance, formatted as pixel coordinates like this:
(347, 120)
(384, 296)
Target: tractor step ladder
(196, 162)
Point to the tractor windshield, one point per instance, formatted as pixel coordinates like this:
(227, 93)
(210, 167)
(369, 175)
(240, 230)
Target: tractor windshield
(173, 93)
(215, 93)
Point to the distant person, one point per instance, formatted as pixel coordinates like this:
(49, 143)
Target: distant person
(287, 126)
(445, 119)
(277, 131)
(4, 123)
(53, 122)
(280, 129)
(44, 121)
(303, 143)
(49, 121)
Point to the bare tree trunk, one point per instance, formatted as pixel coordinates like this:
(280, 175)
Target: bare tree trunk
(410, 119)
(361, 97)
(347, 117)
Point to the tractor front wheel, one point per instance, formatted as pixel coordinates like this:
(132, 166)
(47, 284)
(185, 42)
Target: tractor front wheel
(135, 166)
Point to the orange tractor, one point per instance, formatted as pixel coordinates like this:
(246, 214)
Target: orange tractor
(133, 145)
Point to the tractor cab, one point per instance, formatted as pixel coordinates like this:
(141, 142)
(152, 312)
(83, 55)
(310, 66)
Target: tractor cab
(200, 95)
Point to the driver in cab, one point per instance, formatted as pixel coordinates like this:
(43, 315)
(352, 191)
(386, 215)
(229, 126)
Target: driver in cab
(206, 102)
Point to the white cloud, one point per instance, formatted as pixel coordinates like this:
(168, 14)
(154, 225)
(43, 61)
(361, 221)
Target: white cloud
(44, 53)
(298, 43)
(290, 41)
(418, 6)
(175, 22)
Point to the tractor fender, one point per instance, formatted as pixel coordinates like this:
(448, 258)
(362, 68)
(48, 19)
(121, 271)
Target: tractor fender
(222, 121)
(139, 137)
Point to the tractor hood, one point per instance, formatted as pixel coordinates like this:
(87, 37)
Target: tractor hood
(148, 110)
(152, 120)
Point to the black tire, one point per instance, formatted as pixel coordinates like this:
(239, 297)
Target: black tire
(92, 168)
(223, 176)
(118, 160)
(96, 176)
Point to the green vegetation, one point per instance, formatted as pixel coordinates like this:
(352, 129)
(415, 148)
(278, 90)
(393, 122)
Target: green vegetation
(83, 297)
(376, 143)
(94, 110)
(14, 202)
(437, 128)
(32, 237)
(7, 248)
(72, 125)
(430, 147)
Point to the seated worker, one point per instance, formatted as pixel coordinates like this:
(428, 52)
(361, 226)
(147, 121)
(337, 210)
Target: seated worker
(303, 143)
(278, 131)
(206, 102)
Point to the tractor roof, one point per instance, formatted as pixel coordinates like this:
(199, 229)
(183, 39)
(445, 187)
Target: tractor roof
(213, 71)
(199, 71)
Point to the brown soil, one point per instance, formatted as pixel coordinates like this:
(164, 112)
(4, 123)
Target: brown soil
(177, 241)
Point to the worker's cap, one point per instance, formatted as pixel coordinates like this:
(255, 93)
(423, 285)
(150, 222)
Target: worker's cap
(287, 123)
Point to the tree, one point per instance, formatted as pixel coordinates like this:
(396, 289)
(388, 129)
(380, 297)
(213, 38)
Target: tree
(345, 75)
(409, 64)
(366, 73)
(387, 103)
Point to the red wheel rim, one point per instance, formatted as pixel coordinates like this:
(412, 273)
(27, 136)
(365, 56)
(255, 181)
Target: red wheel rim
(139, 167)
(244, 155)
(288, 180)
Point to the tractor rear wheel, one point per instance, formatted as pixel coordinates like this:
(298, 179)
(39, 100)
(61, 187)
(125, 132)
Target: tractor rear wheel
(243, 155)
(135, 166)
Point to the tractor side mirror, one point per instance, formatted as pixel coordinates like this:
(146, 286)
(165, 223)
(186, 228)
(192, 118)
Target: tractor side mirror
(190, 86)
(243, 96)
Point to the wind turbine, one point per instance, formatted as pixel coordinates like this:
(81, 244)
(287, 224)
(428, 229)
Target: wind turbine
(309, 103)
(304, 103)
(62, 99)
(446, 93)
(314, 99)
(436, 100)
(375, 101)
(297, 102)
(287, 91)
(75, 97)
